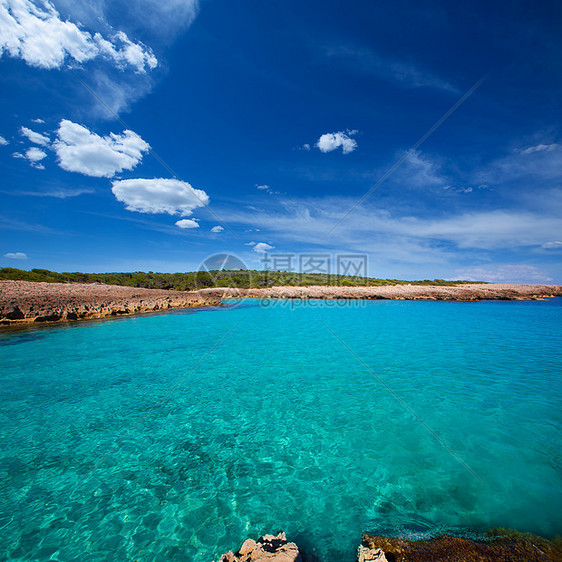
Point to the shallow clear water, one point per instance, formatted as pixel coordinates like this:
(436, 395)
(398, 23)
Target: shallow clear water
(176, 436)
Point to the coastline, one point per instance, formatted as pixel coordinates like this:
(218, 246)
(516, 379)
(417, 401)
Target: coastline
(499, 545)
(464, 292)
(26, 302)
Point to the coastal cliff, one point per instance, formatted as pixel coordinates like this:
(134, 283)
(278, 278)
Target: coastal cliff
(24, 302)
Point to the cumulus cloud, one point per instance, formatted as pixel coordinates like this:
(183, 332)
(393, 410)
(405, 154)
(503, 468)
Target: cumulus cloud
(16, 256)
(38, 35)
(187, 223)
(3, 141)
(555, 245)
(159, 195)
(332, 141)
(38, 121)
(34, 137)
(217, 228)
(35, 155)
(80, 150)
(262, 248)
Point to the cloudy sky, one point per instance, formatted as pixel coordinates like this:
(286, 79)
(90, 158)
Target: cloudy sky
(149, 135)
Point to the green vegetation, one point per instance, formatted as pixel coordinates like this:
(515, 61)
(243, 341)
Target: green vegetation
(245, 279)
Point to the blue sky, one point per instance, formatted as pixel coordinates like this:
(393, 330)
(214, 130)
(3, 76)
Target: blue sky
(147, 135)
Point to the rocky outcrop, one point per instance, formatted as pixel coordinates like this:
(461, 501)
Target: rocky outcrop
(465, 292)
(366, 554)
(268, 548)
(499, 547)
(24, 302)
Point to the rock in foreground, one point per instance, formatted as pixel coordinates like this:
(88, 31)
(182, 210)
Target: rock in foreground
(24, 301)
(269, 548)
(501, 547)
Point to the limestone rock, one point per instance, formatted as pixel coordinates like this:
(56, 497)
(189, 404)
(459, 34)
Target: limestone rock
(269, 548)
(365, 554)
(248, 547)
(25, 301)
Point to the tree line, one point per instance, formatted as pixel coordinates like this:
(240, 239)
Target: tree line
(244, 279)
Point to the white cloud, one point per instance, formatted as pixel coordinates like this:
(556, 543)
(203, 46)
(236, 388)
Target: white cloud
(35, 154)
(262, 248)
(38, 121)
(332, 141)
(468, 189)
(305, 146)
(3, 141)
(267, 189)
(159, 195)
(504, 274)
(38, 35)
(555, 245)
(187, 223)
(124, 52)
(540, 148)
(16, 256)
(313, 219)
(36, 138)
(80, 150)
(217, 228)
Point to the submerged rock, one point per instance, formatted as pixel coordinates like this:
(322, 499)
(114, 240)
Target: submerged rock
(500, 546)
(269, 548)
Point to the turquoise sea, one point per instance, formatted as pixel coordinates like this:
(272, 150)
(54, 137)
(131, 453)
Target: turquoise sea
(176, 436)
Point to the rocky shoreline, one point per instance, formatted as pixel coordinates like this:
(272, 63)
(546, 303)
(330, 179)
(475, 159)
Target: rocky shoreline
(500, 545)
(465, 292)
(24, 302)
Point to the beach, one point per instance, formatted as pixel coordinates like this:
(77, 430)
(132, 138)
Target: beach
(24, 302)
